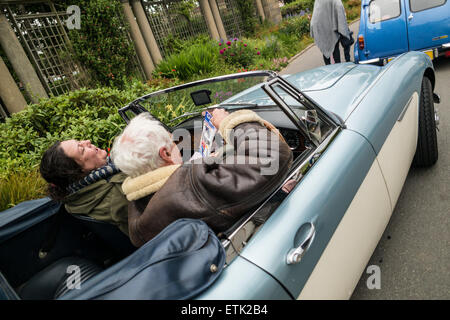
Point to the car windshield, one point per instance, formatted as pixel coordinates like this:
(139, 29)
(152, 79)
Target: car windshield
(177, 104)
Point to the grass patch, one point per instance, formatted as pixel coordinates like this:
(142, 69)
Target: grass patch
(20, 186)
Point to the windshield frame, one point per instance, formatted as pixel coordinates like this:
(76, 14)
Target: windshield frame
(267, 86)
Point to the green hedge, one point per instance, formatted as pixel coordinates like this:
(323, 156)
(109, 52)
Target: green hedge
(352, 8)
(102, 45)
(82, 114)
(296, 7)
(200, 58)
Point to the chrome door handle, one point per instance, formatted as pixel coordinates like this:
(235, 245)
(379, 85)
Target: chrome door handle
(295, 255)
(410, 16)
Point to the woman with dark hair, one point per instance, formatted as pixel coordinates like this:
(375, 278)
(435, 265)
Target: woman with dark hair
(81, 176)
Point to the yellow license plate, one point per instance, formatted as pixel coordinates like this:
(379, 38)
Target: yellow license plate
(429, 53)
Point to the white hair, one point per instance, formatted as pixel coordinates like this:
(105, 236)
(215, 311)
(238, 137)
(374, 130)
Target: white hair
(136, 150)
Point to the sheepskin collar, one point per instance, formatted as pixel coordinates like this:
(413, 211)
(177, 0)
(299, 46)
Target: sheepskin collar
(242, 116)
(146, 184)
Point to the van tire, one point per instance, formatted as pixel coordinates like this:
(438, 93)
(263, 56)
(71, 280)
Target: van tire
(427, 147)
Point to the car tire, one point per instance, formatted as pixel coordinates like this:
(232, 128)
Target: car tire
(427, 148)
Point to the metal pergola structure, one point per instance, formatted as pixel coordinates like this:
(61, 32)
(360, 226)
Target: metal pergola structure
(44, 37)
(45, 40)
(171, 19)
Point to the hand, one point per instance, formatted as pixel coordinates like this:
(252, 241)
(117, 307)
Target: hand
(217, 116)
(288, 186)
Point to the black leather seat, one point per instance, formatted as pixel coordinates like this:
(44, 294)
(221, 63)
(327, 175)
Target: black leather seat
(110, 234)
(51, 282)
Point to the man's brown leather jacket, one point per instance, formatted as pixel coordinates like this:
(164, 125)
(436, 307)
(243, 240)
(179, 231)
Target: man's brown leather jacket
(220, 189)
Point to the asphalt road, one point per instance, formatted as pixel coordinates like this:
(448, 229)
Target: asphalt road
(414, 252)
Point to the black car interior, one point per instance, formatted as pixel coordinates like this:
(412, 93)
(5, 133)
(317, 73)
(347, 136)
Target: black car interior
(35, 262)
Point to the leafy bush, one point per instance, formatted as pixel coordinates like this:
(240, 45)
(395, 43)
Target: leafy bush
(298, 7)
(101, 45)
(174, 44)
(83, 114)
(195, 59)
(247, 11)
(272, 48)
(297, 26)
(289, 42)
(279, 63)
(352, 8)
(238, 52)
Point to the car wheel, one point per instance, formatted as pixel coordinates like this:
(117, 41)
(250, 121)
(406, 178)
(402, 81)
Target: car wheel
(427, 148)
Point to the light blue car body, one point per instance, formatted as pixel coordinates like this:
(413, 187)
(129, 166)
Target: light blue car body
(369, 99)
(407, 30)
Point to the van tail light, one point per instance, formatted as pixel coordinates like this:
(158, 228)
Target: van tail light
(361, 42)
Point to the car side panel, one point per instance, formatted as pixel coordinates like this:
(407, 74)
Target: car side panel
(378, 109)
(322, 198)
(339, 269)
(397, 153)
(242, 280)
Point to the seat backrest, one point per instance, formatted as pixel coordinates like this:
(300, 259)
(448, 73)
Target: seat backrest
(109, 233)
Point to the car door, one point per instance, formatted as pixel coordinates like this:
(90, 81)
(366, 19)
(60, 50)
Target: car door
(428, 23)
(388, 117)
(385, 28)
(337, 213)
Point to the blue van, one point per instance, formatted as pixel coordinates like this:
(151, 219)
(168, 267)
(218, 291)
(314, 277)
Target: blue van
(391, 27)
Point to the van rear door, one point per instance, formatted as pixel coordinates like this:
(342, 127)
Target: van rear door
(428, 23)
(386, 30)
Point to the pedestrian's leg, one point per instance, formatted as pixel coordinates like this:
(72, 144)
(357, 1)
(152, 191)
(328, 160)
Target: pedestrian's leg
(347, 53)
(337, 53)
(326, 60)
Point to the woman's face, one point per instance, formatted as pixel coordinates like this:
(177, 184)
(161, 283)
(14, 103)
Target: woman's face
(85, 154)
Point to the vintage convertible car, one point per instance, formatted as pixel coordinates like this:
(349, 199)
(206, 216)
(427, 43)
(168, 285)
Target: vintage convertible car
(354, 131)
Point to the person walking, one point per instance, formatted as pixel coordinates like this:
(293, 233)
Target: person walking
(328, 27)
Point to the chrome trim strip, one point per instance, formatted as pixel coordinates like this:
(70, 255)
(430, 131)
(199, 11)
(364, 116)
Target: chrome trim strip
(370, 61)
(405, 108)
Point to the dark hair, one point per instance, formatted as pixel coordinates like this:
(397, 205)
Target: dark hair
(59, 171)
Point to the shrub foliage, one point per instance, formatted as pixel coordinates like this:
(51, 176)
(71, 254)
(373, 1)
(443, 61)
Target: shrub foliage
(101, 45)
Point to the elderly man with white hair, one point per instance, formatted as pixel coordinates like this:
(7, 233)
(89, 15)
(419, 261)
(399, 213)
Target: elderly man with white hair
(217, 190)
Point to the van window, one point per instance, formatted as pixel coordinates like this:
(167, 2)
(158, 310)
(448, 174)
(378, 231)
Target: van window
(420, 5)
(381, 10)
